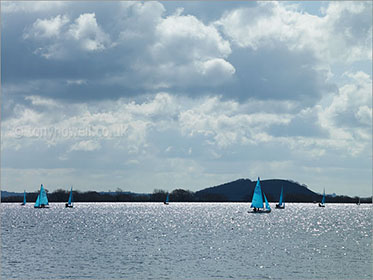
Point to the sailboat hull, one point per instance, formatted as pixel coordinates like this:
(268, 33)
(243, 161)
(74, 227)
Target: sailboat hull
(165, 203)
(321, 205)
(42, 206)
(278, 206)
(68, 205)
(260, 211)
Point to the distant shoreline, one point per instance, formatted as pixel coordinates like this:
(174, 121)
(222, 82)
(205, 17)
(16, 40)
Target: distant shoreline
(240, 190)
(160, 202)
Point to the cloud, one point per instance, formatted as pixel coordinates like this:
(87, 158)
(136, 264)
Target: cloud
(183, 52)
(347, 117)
(364, 115)
(30, 7)
(343, 33)
(137, 21)
(176, 30)
(351, 103)
(166, 135)
(50, 178)
(76, 82)
(47, 28)
(62, 38)
(302, 124)
(151, 51)
(225, 129)
(190, 51)
(277, 74)
(264, 51)
(216, 70)
(338, 120)
(37, 100)
(86, 146)
(184, 95)
(88, 33)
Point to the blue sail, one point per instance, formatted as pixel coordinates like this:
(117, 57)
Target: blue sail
(323, 198)
(257, 200)
(43, 196)
(37, 202)
(168, 198)
(267, 204)
(280, 202)
(24, 198)
(70, 197)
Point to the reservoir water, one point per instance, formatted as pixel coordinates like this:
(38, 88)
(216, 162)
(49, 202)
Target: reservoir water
(186, 241)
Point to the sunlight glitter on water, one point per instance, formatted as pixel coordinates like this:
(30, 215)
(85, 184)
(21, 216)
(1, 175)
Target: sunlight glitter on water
(186, 241)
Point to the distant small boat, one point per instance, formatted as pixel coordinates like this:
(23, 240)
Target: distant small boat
(281, 205)
(167, 199)
(257, 200)
(358, 203)
(42, 200)
(322, 203)
(24, 199)
(69, 203)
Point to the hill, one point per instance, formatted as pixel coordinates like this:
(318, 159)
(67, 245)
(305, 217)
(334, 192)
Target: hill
(242, 190)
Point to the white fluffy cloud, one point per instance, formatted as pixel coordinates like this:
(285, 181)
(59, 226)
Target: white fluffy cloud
(188, 38)
(138, 20)
(47, 28)
(188, 52)
(86, 30)
(348, 117)
(353, 100)
(343, 33)
(216, 70)
(60, 38)
(177, 50)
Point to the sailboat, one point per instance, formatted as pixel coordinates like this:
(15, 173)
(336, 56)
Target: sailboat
(268, 208)
(167, 199)
(69, 203)
(42, 200)
(24, 199)
(281, 205)
(322, 203)
(257, 200)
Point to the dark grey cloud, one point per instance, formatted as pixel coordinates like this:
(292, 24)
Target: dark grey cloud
(277, 73)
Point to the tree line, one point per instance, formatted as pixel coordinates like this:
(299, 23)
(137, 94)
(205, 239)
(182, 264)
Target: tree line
(177, 195)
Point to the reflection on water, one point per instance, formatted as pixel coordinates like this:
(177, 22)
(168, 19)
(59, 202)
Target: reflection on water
(186, 241)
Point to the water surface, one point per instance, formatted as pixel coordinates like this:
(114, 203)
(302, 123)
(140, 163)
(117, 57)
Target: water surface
(186, 241)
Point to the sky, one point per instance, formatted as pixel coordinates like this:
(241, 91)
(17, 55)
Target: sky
(165, 95)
